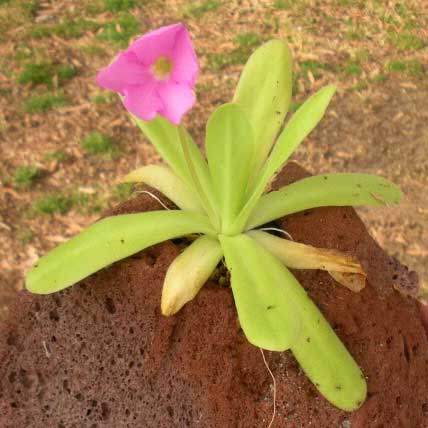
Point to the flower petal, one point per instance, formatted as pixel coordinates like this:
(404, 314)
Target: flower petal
(185, 63)
(143, 100)
(156, 44)
(124, 71)
(177, 100)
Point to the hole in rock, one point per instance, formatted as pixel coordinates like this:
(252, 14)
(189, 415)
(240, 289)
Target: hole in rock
(110, 306)
(53, 315)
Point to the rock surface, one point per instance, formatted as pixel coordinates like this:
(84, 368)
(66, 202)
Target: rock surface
(101, 355)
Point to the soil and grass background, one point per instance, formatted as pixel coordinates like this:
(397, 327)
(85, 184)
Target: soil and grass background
(64, 142)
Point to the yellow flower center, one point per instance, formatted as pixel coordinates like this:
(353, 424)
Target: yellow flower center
(162, 68)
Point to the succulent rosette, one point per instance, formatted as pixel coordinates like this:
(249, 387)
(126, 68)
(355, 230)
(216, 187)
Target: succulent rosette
(223, 203)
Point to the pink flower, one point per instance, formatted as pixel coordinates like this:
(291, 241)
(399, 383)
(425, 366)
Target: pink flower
(156, 74)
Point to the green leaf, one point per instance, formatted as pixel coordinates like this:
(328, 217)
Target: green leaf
(327, 363)
(230, 150)
(261, 288)
(189, 272)
(107, 241)
(163, 179)
(264, 92)
(322, 355)
(322, 191)
(298, 127)
(296, 130)
(164, 136)
(260, 281)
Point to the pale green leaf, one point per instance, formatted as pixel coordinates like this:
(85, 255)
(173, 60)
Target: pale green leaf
(266, 307)
(188, 273)
(163, 179)
(322, 191)
(230, 150)
(165, 137)
(107, 241)
(323, 357)
(327, 362)
(295, 131)
(264, 92)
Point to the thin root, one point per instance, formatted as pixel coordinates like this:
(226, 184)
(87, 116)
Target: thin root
(274, 388)
(46, 349)
(275, 229)
(153, 196)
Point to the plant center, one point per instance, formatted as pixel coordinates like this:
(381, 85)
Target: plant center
(162, 68)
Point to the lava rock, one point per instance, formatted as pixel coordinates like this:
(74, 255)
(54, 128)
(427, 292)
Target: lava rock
(101, 355)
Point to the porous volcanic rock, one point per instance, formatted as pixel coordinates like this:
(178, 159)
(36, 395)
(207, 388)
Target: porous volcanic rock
(101, 355)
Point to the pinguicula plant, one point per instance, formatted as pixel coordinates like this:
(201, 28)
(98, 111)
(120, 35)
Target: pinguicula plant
(223, 203)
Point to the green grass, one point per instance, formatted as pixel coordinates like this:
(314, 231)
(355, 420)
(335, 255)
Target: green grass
(406, 41)
(203, 88)
(54, 203)
(102, 98)
(67, 29)
(23, 52)
(25, 236)
(397, 66)
(118, 5)
(58, 155)
(248, 39)
(294, 106)
(283, 4)
(94, 51)
(402, 10)
(45, 102)
(80, 199)
(272, 23)
(31, 7)
(353, 68)
(25, 176)
(361, 85)
(411, 67)
(43, 73)
(4, 125)
(97, 143)
(36, 74)
(219, 61)
(379, 78)
(200, 9)
(353, 34)
(315, 67)
(66, 72)
(123, 191)
(120, 31)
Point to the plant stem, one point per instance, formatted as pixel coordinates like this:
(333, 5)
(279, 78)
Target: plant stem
(194, 175)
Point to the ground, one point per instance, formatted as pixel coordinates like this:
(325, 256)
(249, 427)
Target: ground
(65, 142)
